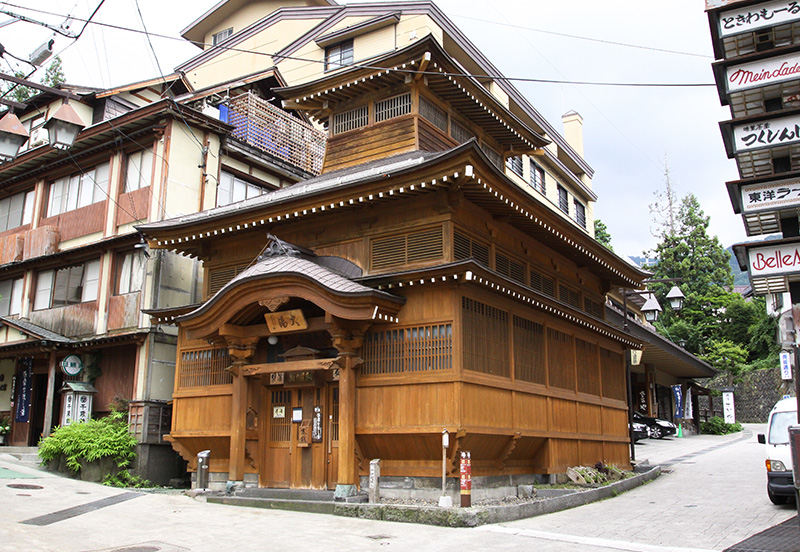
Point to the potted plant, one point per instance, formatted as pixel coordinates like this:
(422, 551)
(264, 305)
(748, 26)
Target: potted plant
(5, 427)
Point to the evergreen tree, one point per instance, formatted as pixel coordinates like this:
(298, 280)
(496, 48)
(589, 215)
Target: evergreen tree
(54, 74)
(601, 233)
(702, 265)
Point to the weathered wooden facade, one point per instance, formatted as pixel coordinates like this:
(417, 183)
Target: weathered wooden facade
(412, 288)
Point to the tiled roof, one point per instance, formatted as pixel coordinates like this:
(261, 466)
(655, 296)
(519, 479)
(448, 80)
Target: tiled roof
(32, 329)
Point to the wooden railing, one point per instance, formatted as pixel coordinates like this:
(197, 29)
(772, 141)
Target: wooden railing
(264, 126)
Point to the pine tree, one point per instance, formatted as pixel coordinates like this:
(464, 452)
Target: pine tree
(602, 234)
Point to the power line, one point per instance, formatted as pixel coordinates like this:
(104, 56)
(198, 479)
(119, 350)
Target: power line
(587, 38)
(409, 71)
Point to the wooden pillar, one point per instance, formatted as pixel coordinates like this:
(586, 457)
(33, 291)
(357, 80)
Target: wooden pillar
(241, 351)
(650, 379)
(51, 388)
(347, 341)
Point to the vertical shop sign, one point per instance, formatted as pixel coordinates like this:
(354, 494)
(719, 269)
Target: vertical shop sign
(24, 385)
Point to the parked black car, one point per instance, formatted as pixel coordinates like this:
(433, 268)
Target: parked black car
(658, 428)
(640, 431)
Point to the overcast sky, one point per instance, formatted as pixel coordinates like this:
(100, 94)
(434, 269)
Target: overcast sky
(628, 131)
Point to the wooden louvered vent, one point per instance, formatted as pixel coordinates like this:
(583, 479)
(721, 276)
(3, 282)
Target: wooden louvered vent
(465, 248)
(397, 251)
(542, 283)
(218, 277)
(509, 267)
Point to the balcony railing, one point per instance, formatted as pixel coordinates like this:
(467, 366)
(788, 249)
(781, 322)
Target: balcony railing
(264, 126)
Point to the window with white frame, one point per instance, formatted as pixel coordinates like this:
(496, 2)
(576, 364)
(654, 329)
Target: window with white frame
(563, 198)
(130, 272)
(537, 178)
(232, 189)
(79, 190)
(11, 297)
(138, 170)
(16, 210)
(515, 164)
(339, 55)
(216, 38)
(580, 213)
(67, 286)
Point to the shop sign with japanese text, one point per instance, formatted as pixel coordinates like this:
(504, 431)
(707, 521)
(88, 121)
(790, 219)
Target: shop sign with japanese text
(774, 260)
(760, 197)
(776, 132)
(761, 15)
(763, 71)
(286, 321)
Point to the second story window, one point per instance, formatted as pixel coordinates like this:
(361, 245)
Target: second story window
(16, 211)
(339, 55)
(130, 272)
(515, 164)
(67, 286)
(72, 192)
(580, 213)
(138, 170)
(10, 297)
(232, 189)
(216, 38)
(537, 178)
(563, 199)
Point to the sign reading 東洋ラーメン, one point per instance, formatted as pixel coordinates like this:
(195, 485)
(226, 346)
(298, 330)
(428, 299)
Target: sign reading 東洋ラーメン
(775, 132)
(774, 260)
(765, 14)
(758, 197)
(763, 71)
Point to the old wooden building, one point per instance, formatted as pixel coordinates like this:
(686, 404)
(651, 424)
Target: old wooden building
(435, 277)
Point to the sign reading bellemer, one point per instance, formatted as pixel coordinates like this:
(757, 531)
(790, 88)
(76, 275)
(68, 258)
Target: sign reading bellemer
(763, 71)
(774, 260)
(761, 15)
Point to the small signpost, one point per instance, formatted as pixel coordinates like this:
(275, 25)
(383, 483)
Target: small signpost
(445, 501)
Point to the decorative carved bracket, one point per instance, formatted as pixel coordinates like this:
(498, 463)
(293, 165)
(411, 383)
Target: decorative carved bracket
(500, 463)
(273, 303)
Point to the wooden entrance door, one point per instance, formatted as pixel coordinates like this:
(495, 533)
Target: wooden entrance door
(290, 460)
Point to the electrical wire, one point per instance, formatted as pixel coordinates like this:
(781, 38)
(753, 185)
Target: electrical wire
(372, 67)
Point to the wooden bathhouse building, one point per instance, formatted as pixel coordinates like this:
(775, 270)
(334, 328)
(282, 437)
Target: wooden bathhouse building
(440, 274)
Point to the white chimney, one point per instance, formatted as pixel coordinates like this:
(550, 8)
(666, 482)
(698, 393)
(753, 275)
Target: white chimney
(573, 130)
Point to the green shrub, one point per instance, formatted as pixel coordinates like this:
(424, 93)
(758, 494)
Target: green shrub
(103, 438)
(126, 479)
(717, 426)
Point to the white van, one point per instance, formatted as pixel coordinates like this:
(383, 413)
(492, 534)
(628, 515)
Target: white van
(780, 484)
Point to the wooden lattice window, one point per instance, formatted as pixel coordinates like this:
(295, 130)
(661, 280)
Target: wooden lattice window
(280, 427)
(202, 367)
(529, 351)
(612, 373)
(460, 133)
(588, 368)
(218, 277)
(465, 248)
(433, 113)
(394, 251)
(404, 350)
(543, 284)
(569, 296)
(595, 308)
(351, 120)
(335, 415)
(392, 107)
(485, 338)
(509, 267)
(560, 359)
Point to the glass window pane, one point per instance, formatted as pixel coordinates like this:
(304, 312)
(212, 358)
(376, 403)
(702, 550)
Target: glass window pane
(146, 168)
(224, 189)
(16, 297)
(239, 190)
(44, 285)
(61, 287)
(100, 188)
(54, 206)
(27, 211)
(90, 281)
(133, 171)
(86, 189)
(72, 193)
(137, 271)
(15, 211)
(5, 297)
(124, 274)
(5, 205)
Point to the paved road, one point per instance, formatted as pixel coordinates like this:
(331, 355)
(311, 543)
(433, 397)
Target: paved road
(713, 496)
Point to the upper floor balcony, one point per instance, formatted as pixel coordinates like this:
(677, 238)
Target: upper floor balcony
(270, 129)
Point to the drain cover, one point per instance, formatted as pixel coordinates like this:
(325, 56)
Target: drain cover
(24, 486)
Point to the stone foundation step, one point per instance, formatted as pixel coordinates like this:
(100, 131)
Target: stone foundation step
(26, 455)
(286, 494)
(305, 505)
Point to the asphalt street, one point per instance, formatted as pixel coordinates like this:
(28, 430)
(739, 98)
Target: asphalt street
(711, 497)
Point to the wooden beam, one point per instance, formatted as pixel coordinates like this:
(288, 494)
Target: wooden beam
(423, 64)
(294, 366)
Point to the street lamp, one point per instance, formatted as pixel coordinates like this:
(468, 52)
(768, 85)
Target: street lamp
(651, 308)
(675, 298)
(12, 136)
(63, 127)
